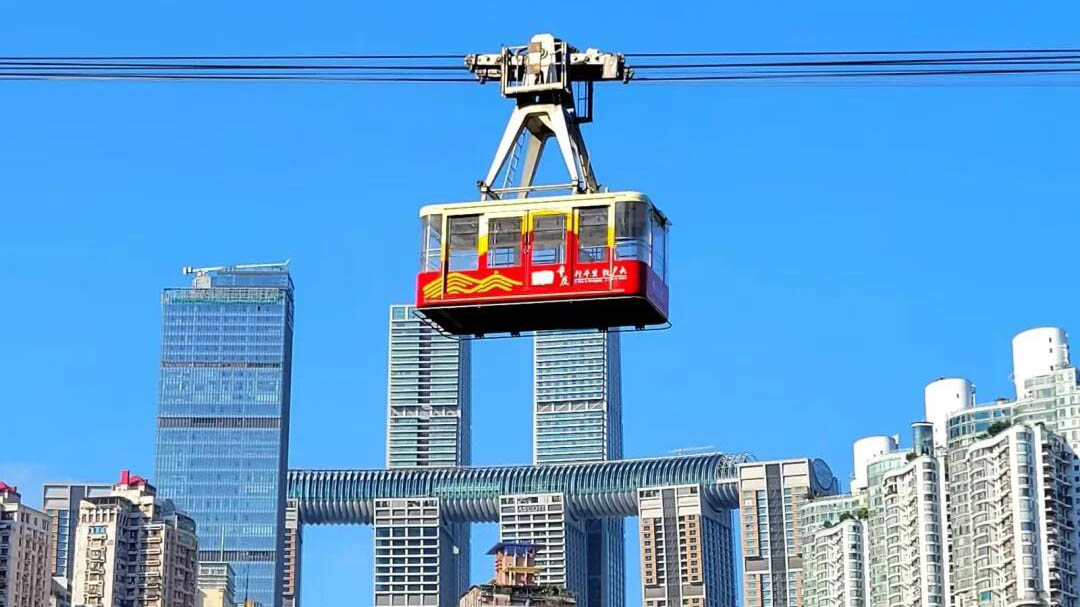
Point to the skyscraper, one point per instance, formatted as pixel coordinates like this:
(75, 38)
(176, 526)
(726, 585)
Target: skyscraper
(24, 549)
(578, 418)
(223, 416)
(420, 558)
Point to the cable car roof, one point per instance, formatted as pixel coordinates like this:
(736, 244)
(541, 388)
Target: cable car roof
(481, 206)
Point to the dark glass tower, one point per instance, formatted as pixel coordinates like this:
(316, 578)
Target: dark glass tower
(223, 416)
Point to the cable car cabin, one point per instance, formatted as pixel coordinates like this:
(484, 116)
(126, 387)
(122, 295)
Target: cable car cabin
(589, 261)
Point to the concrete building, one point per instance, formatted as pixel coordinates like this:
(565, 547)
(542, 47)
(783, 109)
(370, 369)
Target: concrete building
(943, 398)
(863, 451)
(223, 414)
(25, 567)
(132, 548)
(771, 495)
(413, 545)
(910, 552)
(543, 521)
(60, 501)
(836, 558)
(428, 426)
(294, 538)
(686, 549)
(516, 582)
(577, 397)
(215, 582)
(1024, 525)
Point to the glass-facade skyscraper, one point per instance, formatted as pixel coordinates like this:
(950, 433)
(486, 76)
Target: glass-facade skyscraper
(420, 557)
(223, 417)
(578, 418)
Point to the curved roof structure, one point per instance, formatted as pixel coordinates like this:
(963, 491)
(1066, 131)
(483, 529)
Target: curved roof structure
(592, 490)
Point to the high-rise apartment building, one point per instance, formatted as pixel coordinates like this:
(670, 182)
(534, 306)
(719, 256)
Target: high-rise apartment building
(294, 539)
(578, 418)
(133, 549)
(687, 557)
(913, 541)
(25, 566)
(428, 425)
(223, 415)
(1024, 525)
(215, 582)
(544, 522)
(835, 560)
(416, 553)
(60, 501)
(771, 494)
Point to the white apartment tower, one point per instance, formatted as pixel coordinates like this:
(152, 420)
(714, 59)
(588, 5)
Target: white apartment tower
(132, 549)
(686, 552)
(1024, 529)
(25, 570)
(836, 565)
(543, 521)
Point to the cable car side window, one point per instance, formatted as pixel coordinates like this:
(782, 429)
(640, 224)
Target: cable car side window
(549, 238)
(592, 234)
(430, 243)
(504, 235)
(632, 231)
(464, 233)
(659, 246)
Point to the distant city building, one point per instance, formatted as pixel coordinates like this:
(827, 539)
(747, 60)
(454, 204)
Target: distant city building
(223, 415)
(772, 534)
(913, 539)
(215, 582)
(428, 426)
(516, 583)
(60, 501)
(687, 557)
(835, 562)
(132, 548)
(415, 553)
(1024, 525)
(577, 389)
(25, 568)
(294, 537)
(544, 521)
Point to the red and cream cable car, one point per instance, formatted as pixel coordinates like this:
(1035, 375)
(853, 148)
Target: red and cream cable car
(511, 263)
(560, 262)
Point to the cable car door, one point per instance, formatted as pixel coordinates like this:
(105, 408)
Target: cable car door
(548, 265)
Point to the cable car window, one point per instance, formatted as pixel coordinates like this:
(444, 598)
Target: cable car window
(430, 243)
(632, 231)
(592, 234)
(659, 246)
(504, 236)
(549, 238)
(464, 233)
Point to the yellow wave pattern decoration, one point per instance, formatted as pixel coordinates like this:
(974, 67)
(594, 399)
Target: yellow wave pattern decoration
(457, 283)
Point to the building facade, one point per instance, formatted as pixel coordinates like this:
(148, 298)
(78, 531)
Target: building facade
(223, 415)
(215, 582)
(60, 501)
(577, 393)
(294, 539)
(25, 564)
(428, 425)
(771, 494)
(687, 556)
(1024, 527)
(544, 522)
(413, 547)
(836, 558)
(132, 549)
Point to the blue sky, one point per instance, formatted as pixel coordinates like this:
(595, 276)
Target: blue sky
(834, 248)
